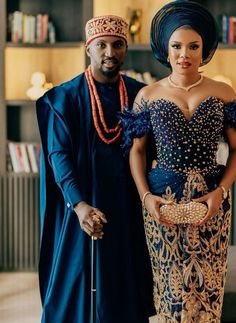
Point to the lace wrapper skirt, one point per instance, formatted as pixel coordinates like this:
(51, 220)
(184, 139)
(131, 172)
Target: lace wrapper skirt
(189, 262)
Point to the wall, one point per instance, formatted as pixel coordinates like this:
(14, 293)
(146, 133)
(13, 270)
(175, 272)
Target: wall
(62, 64)
(121, 8)
(223, 64)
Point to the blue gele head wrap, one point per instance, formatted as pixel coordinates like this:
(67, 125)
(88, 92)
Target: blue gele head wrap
(178, 14)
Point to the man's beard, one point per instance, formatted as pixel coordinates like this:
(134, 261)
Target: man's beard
(110, 74)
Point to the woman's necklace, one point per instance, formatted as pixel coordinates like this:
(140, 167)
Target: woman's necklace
(186, 88)
(97, 111)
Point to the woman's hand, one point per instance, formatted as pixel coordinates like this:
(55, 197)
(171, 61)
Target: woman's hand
(91, 219)
(152, 205)
(213, 200)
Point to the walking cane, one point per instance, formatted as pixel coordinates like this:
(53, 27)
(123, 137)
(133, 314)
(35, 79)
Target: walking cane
(93, 279)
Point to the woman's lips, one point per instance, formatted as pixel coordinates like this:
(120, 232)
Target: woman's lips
(184, 64)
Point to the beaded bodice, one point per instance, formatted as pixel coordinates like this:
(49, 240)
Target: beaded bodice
(183, 145)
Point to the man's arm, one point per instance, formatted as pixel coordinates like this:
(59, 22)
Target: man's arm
(62, 161)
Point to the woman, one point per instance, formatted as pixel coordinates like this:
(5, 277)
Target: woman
(186, 195)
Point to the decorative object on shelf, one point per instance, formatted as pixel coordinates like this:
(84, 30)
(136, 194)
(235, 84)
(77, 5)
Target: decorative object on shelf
(223, 78)
(135, 25)
(39, 86)
(145, 77)
(51, 33)
(148, 78)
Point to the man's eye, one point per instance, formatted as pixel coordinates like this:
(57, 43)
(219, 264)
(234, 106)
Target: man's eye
(118, 45)
(101, 45)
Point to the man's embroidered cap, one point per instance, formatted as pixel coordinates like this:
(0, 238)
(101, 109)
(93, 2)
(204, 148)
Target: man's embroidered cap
(107, 25)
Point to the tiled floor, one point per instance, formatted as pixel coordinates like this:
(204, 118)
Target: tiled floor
(19, 296)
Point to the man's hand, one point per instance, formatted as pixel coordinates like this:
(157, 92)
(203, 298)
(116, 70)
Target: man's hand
(91, 219)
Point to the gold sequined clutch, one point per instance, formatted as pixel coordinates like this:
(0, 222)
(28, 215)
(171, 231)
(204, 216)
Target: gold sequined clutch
(190, 212)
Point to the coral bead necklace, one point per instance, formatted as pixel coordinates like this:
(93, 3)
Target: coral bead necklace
(97, 111)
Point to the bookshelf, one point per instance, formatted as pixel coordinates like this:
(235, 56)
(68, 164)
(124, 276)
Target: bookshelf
(140, 56)
(19, 60)
(60, 62)
(2, 89)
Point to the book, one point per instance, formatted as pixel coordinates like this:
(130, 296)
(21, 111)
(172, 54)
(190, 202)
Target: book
(231, 29)
(25, 159)
(19, 157)
(17, 27)
(13, 157)
(32, 157)
(225, 29)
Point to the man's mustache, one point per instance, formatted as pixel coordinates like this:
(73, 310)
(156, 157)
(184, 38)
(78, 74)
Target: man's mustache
(113, 60)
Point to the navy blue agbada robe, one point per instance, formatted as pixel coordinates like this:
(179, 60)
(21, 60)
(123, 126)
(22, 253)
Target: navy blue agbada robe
(76, 165)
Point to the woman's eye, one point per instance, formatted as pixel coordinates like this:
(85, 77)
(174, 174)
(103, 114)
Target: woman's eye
(176, 46)
(194, 46)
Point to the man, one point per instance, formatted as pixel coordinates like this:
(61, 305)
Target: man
(87, 190)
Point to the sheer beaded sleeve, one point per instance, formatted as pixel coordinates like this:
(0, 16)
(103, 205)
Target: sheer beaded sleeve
(135, 123)
(230, 114)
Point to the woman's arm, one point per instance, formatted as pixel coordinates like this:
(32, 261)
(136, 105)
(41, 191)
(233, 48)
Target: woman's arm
(137, 159)
(230, 171)
(214, 198)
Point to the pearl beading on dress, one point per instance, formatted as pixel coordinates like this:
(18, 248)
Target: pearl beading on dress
(184, 145)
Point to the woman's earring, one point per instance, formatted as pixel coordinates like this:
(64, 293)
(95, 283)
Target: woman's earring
(168, 60)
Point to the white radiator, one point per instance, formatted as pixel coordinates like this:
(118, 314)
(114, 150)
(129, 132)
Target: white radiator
(19, 222)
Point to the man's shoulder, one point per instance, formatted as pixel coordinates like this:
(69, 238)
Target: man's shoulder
(133, 82)
(70, 85)
(66, 89)
(61, 96)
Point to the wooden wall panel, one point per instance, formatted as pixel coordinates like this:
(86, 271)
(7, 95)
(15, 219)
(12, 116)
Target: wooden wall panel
(58, 64)
(149, 8)
(66, 63)
(223, 64)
